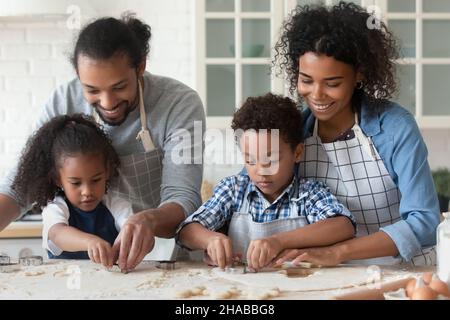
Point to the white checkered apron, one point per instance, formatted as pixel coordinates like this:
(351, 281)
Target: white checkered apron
(357, 176)
(243, 229)
(139, 180)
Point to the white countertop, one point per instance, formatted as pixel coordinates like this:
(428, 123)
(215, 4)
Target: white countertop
(82, 279)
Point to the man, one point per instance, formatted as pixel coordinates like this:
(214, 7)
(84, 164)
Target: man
(145, 116)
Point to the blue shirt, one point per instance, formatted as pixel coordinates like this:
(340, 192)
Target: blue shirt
(400, 145)
(314, 200)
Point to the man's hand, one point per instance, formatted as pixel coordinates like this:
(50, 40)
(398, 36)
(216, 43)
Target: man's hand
(262, 251)
(134, 242)
(100, 251)
(219, 250)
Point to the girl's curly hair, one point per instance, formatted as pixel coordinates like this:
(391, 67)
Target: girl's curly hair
(62, 136)
(347, 33)
(270, 111)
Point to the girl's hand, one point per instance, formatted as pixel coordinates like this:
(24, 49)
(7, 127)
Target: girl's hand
(100, 251)
(262, 251)
(219, 250)
(324, 256)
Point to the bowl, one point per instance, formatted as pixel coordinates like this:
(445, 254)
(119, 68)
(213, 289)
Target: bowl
(249, 50)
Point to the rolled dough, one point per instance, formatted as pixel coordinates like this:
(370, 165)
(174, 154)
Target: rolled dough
(320, 279)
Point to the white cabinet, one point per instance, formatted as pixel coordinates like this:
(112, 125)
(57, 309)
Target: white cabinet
(234, 53)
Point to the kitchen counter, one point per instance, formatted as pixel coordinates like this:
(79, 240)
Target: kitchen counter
(82, 279)
(22, 229)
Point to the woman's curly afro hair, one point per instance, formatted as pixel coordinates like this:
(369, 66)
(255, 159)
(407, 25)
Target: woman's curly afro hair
(346, 32)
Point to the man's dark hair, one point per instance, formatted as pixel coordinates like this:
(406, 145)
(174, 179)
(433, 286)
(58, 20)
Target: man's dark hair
(271, 112)
(106, 37)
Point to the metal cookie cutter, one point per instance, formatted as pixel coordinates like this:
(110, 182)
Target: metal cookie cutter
(31, 261)
(166, 265)
(4, 259)
(9, 267)
(6, 265)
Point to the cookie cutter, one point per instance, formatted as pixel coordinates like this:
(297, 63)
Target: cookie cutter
(5, 259)
(9, 267)
(166, 265)
(31, 261)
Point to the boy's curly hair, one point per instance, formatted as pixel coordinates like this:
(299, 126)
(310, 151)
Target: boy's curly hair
(271, 112)
(62, 136)
(341, 31)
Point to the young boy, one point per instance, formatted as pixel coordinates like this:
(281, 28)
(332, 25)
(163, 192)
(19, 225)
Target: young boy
(268, 207)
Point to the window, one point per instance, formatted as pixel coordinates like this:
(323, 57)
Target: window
(235, 39)
(424, 72)
(234, 48)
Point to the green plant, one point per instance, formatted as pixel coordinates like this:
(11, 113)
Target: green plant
(441, 177)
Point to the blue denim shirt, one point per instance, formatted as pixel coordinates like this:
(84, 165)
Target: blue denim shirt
(400, 145)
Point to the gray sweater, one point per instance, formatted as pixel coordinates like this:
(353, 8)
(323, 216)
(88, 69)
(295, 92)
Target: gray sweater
(171, 109)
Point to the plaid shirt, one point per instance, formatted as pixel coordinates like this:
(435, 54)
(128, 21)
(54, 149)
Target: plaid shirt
(314, 200)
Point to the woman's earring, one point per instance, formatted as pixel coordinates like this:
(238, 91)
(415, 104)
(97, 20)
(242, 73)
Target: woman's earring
(359, 85)
(106, 186)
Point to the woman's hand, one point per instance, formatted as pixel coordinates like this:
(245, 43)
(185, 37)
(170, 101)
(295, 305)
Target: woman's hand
(324, 256)
(100, 251)
(262, 251)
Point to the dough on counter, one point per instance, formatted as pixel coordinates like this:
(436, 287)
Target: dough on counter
(319, 279)
(31, 273)
(187, 293)
(224, 293)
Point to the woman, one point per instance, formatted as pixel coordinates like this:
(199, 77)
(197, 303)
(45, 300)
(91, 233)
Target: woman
(368, 150)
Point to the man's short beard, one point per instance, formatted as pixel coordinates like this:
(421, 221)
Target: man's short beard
(125, 115)
(127, 110)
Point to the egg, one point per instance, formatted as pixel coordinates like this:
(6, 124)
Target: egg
(410, 286)
(424, 293)
(440, 287)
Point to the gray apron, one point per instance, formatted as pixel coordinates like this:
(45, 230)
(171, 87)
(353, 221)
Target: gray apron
(139, 180)
(243, 229)
(357, 176)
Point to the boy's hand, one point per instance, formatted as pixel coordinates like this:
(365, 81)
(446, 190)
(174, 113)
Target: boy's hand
(220, 250)
(262, 251)
(100, 251)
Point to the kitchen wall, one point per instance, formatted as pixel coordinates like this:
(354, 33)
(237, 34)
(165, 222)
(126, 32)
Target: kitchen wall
(34, 55)
(34, 60)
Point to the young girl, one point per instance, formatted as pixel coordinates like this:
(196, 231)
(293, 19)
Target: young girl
(65, 170)
(368, 150)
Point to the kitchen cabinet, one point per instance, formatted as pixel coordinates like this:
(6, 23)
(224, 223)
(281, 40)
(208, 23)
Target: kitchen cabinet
(424, 71)
(234, 42)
